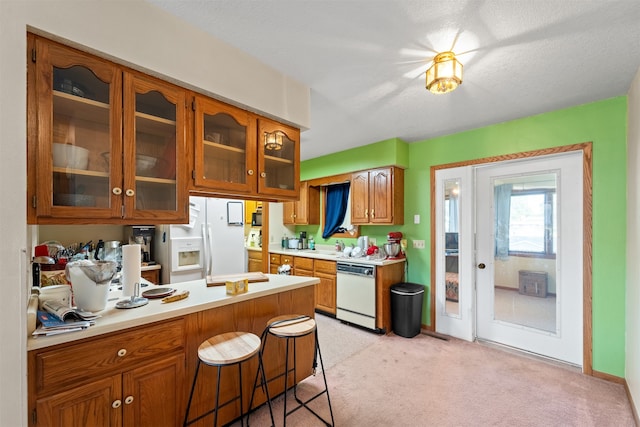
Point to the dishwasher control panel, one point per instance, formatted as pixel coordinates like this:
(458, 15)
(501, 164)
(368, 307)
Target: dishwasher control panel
(356, 269)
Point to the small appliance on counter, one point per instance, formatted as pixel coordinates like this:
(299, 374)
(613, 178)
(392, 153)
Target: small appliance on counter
(143, 235)
(393, 246)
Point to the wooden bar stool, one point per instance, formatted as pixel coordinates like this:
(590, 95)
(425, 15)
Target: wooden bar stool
(228, 349)
(291, 327)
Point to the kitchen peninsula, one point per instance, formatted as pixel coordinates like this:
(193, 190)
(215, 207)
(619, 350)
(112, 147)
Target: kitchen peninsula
(134, 367)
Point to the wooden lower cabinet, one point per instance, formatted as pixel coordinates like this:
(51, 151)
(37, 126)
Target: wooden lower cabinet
(130, 378)
(254, 261)
(151, 275)
(146, 396)
(303, 266)
(142, 376)
(326, 289)
(386, 276)
(274, 263)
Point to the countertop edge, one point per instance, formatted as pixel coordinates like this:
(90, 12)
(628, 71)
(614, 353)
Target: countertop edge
(200, 298)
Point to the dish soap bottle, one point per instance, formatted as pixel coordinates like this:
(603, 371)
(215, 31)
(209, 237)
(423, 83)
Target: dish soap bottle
(312, 243)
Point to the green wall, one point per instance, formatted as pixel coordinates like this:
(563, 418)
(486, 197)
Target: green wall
(603, 123)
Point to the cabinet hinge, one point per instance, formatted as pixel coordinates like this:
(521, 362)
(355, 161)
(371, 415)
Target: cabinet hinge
(193, 105)
(34, 417)
(33, 55)
(193, 174)
(122, 211)
(34, 202)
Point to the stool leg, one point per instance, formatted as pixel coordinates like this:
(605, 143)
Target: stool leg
(193, 386)
(286, 379)
(215, 417)
(324, 377)
(241, 410)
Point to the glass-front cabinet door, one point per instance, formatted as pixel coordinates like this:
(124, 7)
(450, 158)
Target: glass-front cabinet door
(154, 149)
(225, 153)
(79, 123)
(278, 159)
(107, 144)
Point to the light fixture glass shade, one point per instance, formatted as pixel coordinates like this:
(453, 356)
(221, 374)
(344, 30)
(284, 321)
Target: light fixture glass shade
(273, 140)
(445, 74)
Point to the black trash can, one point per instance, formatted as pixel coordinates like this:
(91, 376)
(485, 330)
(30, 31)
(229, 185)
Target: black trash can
(406, 308)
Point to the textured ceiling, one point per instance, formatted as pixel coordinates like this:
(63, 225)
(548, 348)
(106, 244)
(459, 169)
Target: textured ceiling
(365, 60)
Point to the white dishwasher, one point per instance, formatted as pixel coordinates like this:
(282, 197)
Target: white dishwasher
(356, 294)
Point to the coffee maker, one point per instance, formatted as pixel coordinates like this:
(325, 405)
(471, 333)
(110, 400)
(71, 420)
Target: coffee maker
(143, 236)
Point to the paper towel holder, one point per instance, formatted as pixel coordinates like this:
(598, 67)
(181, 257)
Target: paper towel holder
(134, 301)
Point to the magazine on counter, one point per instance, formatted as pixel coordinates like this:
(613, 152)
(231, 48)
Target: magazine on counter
(66, 313)
(50, 324)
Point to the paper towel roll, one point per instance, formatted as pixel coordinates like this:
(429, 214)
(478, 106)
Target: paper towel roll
(130, 269)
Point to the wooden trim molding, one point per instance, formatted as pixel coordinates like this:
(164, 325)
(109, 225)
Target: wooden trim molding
(587, 214)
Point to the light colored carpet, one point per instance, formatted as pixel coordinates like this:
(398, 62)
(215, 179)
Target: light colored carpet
(425, 381)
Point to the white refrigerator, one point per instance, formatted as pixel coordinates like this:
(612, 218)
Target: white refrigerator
(211, 244)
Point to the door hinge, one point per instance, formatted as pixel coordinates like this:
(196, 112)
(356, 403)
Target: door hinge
(33, 55)
(34, 202)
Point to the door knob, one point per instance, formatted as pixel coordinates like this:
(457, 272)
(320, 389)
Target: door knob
(481, 266)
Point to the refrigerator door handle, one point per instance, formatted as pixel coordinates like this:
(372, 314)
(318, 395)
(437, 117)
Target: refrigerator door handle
(209, 250)
(205, 240)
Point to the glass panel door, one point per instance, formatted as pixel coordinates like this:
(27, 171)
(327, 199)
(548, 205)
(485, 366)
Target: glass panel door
(529, 274)
(225, 153)
(155, 152)
(81, 138)
(454, 252)
(278, 165)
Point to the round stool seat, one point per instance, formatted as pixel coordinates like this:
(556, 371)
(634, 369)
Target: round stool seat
(229, 348)
(291, 325)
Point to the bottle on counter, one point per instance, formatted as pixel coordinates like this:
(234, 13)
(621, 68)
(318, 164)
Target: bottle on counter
(285, 242)
(312, 243)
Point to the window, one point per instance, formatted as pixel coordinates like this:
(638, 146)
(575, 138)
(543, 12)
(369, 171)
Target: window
(532, 223)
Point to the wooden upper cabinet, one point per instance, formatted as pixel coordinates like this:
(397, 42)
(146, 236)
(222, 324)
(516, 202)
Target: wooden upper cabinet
(103, 142)
(306, 210)
(237, 153)
(377, 196)
(225, 147)
(278, 160)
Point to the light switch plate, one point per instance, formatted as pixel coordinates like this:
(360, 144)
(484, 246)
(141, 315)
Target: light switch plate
(416, 219)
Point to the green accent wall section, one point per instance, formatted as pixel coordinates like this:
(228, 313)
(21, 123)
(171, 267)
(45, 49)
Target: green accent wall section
(603, 123)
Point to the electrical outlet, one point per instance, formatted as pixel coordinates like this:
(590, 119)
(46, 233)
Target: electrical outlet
(418, 244)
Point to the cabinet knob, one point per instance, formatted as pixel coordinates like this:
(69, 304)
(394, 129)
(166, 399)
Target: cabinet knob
(117, 191)
(128, 400)
(250, 172)
(122, 352)
(116, 404)
(129, 192)
(263, 175)
(481, 266)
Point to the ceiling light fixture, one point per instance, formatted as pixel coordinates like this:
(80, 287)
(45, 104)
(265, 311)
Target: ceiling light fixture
(445, 74)
(273, 140)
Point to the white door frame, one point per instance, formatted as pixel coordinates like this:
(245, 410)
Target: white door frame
(586, 149)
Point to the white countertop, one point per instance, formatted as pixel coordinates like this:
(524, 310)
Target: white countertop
(200, 298)
(331, 255)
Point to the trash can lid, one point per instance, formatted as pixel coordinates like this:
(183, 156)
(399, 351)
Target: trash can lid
(407, 288)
